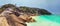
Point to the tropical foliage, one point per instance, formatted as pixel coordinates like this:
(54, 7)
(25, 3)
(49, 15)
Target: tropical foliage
(26, 9)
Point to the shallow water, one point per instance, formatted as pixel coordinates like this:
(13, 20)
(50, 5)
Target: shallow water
(46, 20)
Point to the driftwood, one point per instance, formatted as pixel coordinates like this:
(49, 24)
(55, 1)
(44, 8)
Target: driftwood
(13, 20)
(21, 20)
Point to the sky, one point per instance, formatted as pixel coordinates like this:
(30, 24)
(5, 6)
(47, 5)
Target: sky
(52, 6)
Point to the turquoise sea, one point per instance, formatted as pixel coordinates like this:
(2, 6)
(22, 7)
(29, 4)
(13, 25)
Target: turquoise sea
(46, 20)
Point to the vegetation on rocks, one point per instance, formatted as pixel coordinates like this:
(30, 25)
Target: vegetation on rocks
(26, 9)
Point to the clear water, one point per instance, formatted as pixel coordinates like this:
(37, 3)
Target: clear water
(46, 20)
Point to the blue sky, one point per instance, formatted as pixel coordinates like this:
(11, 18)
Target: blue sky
(51, 5)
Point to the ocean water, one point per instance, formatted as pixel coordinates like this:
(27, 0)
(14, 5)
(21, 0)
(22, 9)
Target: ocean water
(46, 20)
